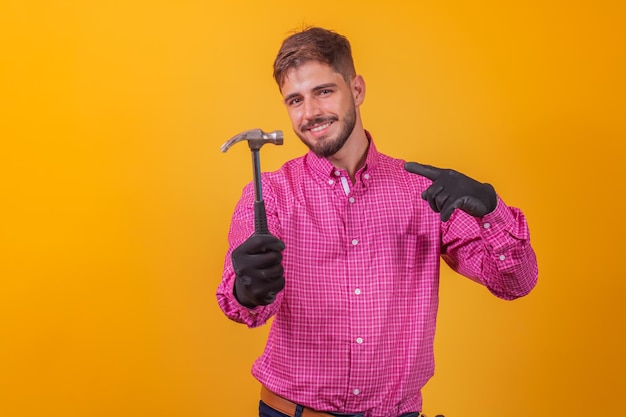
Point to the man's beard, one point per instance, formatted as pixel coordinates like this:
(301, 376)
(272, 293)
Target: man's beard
(325, 147)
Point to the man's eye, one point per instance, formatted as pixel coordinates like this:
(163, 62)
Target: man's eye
(325, 91)
(294, 101)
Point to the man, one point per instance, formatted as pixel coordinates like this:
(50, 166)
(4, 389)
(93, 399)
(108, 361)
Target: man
(350, 272)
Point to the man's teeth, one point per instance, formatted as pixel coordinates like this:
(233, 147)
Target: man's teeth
(321, 127)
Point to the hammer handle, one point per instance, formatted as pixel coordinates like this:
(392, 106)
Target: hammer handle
(260, 218)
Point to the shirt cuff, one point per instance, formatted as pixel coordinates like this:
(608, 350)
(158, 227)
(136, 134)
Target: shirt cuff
(498, 220)
(239, 313)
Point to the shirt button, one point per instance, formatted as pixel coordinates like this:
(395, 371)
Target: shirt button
(366, 176)
(357, 291)
(486, 225)
(331, 182)
(502, 257)
(351, 199)
(355, 242)
(356, 392)
(337, 173)
(359, 340)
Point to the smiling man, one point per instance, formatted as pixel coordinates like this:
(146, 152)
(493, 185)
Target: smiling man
(350, 271)
(323, 108)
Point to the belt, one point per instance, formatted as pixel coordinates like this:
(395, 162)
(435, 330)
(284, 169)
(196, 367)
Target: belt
(287, 407)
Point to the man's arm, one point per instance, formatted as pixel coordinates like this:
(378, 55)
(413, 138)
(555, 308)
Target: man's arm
(484, 240)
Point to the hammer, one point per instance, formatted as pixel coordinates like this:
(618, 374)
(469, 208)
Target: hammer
(257, 138)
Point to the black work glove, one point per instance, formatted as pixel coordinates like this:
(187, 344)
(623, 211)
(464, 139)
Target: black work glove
(452, 190)
(258, 269)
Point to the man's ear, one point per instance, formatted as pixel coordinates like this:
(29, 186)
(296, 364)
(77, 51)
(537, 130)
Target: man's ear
(358, 89)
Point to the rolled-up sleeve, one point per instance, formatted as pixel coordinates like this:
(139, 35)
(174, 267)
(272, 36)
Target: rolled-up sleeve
(494, 250)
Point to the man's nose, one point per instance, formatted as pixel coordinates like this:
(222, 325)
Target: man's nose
(311, 109)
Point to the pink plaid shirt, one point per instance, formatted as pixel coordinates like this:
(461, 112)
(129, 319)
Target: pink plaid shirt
(353, 329)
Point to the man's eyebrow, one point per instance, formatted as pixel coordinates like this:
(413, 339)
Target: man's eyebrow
(324, 86)
(314, 89)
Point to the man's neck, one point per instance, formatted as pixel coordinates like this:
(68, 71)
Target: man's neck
(353, 154)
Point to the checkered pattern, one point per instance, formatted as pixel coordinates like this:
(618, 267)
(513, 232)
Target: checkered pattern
(353, 330)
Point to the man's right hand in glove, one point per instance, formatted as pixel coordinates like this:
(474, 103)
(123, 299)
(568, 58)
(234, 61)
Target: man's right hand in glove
(258, 270)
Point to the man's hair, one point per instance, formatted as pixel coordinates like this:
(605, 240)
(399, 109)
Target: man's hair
(314, 44)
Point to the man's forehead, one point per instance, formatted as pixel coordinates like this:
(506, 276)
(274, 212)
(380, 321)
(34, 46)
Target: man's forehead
(309, 76)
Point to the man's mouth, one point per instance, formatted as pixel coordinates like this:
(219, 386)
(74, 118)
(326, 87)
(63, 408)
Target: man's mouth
(318, 125)
(319, 128)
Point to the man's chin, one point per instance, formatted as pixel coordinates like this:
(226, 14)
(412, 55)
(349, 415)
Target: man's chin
(314, 144)
(323, 146)
(327, 151)
(323, 153)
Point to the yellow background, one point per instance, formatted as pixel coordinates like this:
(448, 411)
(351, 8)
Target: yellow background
(115, 200)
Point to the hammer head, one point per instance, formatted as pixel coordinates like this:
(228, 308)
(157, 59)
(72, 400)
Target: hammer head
(256, 138)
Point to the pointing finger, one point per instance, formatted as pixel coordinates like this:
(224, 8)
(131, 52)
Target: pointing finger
(428, 171)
